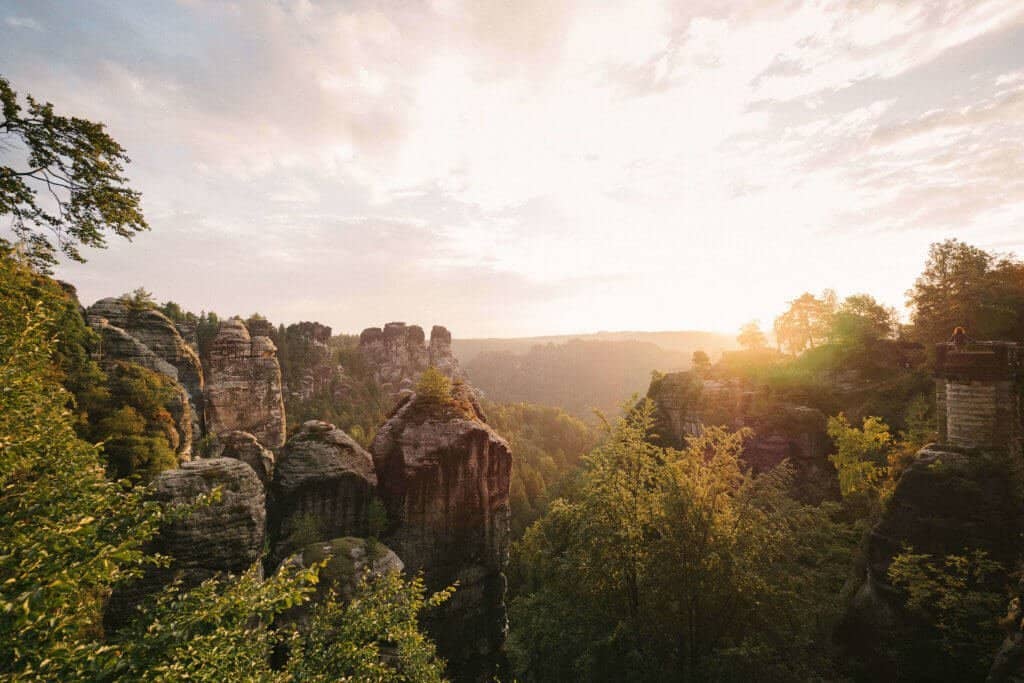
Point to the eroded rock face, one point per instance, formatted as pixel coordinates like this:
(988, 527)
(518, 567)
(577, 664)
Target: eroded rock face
(685, 404)
(245, 447)
(398, 354)
(308, 360)
(243, 387)
(323, 485)
(444, 476)
(157, 333)
(222, 536)
(348, 560)
(947, 502)
(118, 346)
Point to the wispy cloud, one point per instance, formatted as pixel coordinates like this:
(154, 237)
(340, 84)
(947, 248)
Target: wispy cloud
(634, 164)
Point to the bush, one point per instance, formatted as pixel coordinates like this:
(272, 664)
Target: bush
(433, 386)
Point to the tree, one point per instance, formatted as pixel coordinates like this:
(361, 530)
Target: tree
(807, 321)
(955, 601)
(68, 534)
(69, 189)
(676, 565)
(751, 337)
(862, 319)
(700, 361)
(962, 285)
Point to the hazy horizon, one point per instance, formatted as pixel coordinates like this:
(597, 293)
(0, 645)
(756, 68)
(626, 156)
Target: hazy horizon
(537, 168)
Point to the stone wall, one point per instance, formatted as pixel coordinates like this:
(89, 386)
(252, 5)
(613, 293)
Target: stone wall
(976, 395)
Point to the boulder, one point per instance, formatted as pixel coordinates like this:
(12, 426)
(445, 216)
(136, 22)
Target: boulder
(245, 447)
(349, 559)
(217, 537)
(323, 485)
(243, 385)
(444, 478)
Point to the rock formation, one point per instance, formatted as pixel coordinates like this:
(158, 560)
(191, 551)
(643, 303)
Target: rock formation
(156, 332)
(243, 385)
(954, 498)
(684, 404)
(222, 536)
(245, 447)
(444, 476)
(348, 560)
(323, 485)
(399, 353)
(147, 338)
(307, 364)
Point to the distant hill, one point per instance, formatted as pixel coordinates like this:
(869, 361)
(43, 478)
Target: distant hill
(579, 373)
(685, 341)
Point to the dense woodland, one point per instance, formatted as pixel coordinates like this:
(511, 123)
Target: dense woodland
(635, 558)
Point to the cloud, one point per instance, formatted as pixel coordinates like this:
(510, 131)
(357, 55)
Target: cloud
(639, 163)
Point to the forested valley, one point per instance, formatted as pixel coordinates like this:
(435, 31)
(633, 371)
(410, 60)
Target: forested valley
(212, 496)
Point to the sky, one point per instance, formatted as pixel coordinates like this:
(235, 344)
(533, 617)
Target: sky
(538, 166)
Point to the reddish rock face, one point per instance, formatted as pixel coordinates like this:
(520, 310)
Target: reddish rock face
(444, 476)
(243, 387)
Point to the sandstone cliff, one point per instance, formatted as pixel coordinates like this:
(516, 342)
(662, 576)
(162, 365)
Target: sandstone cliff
(243, 385)
(323, 485)
(147, 338)
(225, 535)
(685, 403)
(157, 333)
(398, 353)
(444, 476)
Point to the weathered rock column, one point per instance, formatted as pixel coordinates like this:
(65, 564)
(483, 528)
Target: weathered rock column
(444, 477)
(243, 386)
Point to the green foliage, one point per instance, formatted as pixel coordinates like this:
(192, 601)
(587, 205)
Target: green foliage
(376, 518)
(130, 414)
(433, 386)
(68, 535)
(861, 320)
(676, 564)
(72, 162)
(217, 631)
(963, 285)
(547, 444)
(305, 529)
(806, 323)
(955, 602)
(352, 403)
(139, 299)
(374, 637)
(869, 460)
